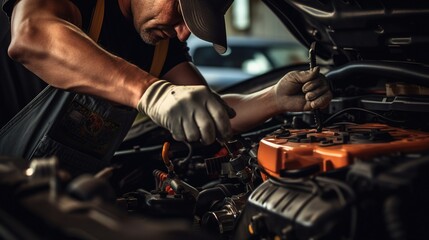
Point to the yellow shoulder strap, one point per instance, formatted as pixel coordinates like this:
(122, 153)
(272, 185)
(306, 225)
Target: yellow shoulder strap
(161, 48)
(97, 20)
(159, 57)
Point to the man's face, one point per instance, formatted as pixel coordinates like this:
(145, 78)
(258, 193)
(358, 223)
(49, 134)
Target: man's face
(156, 20)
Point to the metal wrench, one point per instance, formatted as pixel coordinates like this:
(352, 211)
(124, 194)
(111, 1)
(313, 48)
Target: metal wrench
(316, 112)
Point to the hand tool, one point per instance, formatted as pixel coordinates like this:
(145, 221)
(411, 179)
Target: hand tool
(316, 112)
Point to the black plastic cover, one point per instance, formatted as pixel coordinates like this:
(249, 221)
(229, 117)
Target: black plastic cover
(358, 29)
(294, 211)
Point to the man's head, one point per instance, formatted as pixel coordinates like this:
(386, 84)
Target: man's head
(159, 19)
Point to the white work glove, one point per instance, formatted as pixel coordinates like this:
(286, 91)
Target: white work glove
(302, 91)
(190, 113)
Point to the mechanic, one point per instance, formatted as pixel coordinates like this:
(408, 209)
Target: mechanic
(49, 38)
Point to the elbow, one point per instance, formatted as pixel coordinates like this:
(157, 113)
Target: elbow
(16, 49)
(24, 41)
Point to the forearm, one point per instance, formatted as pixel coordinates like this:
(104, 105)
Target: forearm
(251, 110)
(63, 56)
(296, 91)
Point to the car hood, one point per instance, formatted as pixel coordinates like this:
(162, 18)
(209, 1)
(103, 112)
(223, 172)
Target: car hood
(349, 30)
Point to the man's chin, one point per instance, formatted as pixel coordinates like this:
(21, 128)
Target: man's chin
(150, 38)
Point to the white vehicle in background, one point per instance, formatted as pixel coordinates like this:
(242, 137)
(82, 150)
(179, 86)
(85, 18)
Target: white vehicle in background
(246, 57)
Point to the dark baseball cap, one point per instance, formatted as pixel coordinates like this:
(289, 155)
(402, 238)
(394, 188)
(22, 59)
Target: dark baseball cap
(205, 19)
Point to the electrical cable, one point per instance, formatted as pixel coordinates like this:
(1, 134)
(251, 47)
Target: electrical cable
(363, 110)
(188, 157)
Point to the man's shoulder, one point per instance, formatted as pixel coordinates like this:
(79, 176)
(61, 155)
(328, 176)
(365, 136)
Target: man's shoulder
(83, 5)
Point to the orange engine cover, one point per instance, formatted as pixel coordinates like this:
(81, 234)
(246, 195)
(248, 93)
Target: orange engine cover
(335, 147)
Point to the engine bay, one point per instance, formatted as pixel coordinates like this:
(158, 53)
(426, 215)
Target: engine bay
(363, 176)
(362, 173)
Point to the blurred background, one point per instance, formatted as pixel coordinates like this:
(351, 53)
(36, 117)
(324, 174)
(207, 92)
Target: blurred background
(258, 43)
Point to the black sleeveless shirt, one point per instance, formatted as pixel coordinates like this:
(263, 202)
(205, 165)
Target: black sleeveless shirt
(118, 36)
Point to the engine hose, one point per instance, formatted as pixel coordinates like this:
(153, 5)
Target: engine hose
(165, 158)
(404, 71)
(394, 224)
(188, 157)
(208, 197)
(414, 171)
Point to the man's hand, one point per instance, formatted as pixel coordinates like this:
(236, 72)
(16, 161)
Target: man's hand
(302, 91)
(190, 113)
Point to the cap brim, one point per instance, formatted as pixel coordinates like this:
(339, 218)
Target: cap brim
(205, 22)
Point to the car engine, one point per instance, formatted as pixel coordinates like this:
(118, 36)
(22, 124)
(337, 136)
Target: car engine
(363, 176)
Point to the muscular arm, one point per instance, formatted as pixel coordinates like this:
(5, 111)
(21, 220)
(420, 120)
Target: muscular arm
(295, 91)
(251, 109)
(47, 39)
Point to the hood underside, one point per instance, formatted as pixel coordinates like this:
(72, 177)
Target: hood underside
(349, 30)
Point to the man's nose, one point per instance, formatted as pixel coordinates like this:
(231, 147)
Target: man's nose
(182, 31)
